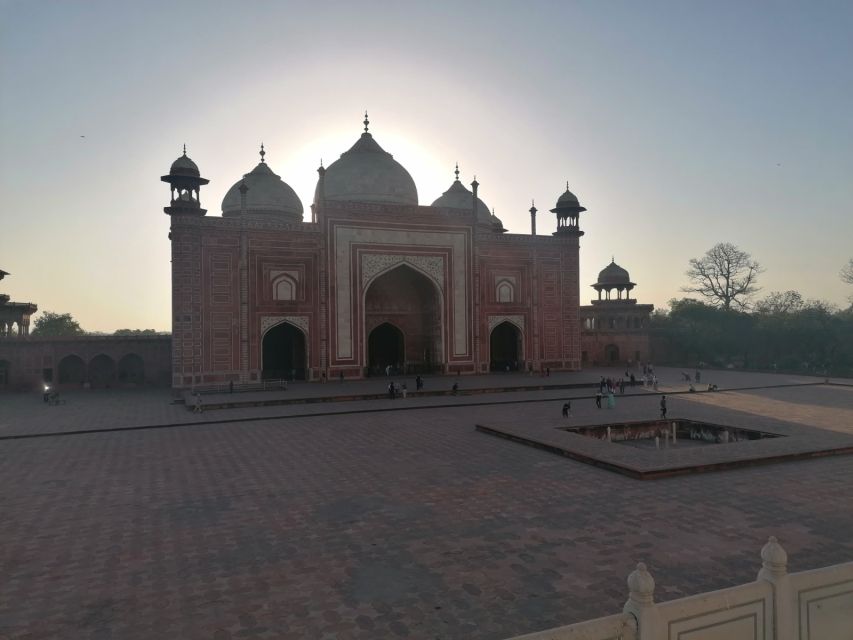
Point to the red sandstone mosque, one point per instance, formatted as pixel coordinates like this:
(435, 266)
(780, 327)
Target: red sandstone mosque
(374, 279)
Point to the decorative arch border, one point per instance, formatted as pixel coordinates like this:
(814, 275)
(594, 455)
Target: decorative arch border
(374, 265)
(517, 320)
(302, 323)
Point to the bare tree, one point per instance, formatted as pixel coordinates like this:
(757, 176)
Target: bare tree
(847, 272)
(781, 302)
(725, 276)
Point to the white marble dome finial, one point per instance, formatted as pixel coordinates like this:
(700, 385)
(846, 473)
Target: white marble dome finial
(366, 121)
(262, 152)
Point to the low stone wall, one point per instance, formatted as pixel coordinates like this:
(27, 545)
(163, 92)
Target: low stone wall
(810, 605)
(85, 361)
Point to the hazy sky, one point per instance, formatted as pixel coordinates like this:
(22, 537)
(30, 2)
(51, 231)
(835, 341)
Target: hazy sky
(678, 125)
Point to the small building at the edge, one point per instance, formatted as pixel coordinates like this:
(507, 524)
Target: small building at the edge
(367, 278)
(614, 328)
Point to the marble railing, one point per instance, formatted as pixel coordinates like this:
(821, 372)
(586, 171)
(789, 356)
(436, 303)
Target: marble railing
(810, 605)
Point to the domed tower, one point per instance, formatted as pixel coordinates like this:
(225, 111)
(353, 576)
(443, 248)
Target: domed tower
(368, 173)
(613, 277)
(185, 181)
(458, 197)
(266, 194)
(567, 209)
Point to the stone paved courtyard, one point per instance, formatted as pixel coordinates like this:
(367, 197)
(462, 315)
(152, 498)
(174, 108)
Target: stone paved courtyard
(377, 525)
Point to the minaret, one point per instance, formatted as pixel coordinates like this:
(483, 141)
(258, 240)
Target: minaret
(532, 218)
(185, 182)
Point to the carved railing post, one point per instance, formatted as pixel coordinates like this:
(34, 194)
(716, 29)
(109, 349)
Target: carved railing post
(774, 569)
(641, 603)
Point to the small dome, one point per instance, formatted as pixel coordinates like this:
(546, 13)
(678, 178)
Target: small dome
(613, 274)
(183, 166)
(267, 195)
(568, 202)
(368, 173)
(458, 197)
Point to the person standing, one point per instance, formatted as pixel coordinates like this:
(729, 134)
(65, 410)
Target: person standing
(663, 407)
(390, 390)
(567, 407)
(598, 399)
(404, 389)
(455, 388)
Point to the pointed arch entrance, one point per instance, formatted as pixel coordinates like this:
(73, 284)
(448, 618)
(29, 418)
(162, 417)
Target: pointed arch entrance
(284, 353)
(72, 370)
(403, 315)
(505, 347)
(611, 353)
(386, 346)
(102, 371)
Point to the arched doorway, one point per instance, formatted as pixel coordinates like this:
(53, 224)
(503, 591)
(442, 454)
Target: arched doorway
(385, 346)
(284, 353)
(131, 369)
(505, 347)
(5, 372)
(72, 370)
(102, 371)
(403, 315)
(611, 353)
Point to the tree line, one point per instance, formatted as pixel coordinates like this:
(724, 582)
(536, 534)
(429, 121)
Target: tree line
(728, 327)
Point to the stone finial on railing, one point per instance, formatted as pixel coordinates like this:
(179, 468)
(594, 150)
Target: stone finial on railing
(641, 585)
(774, 561)
(641, 602)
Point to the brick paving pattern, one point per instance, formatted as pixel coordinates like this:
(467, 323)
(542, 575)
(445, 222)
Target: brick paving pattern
(403, 524)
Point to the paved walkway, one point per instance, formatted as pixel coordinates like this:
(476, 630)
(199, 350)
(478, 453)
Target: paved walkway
(398, 524)
(817, 414)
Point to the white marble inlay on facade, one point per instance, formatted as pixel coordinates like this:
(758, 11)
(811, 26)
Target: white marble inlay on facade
(517, 320)
(374, 263)
(268, 322)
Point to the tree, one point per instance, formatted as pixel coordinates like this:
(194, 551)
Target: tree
(135, 332)
(725, 276)
(56, 324)
(780, 302)
(847, 272)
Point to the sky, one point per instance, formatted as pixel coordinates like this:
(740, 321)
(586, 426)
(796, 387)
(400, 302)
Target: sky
(677, 124)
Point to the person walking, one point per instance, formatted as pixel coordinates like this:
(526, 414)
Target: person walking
(390, 390)
(455, 388)
(567, 408)
(197, 408)
(598, 399)
(663, 407)
(404, 389)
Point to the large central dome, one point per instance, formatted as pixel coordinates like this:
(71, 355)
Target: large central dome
(368, 173)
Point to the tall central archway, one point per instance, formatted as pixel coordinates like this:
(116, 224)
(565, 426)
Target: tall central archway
(505, 347)
(408, 302)
(284, 353)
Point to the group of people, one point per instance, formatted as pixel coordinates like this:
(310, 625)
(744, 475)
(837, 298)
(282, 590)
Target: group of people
(395, 389)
